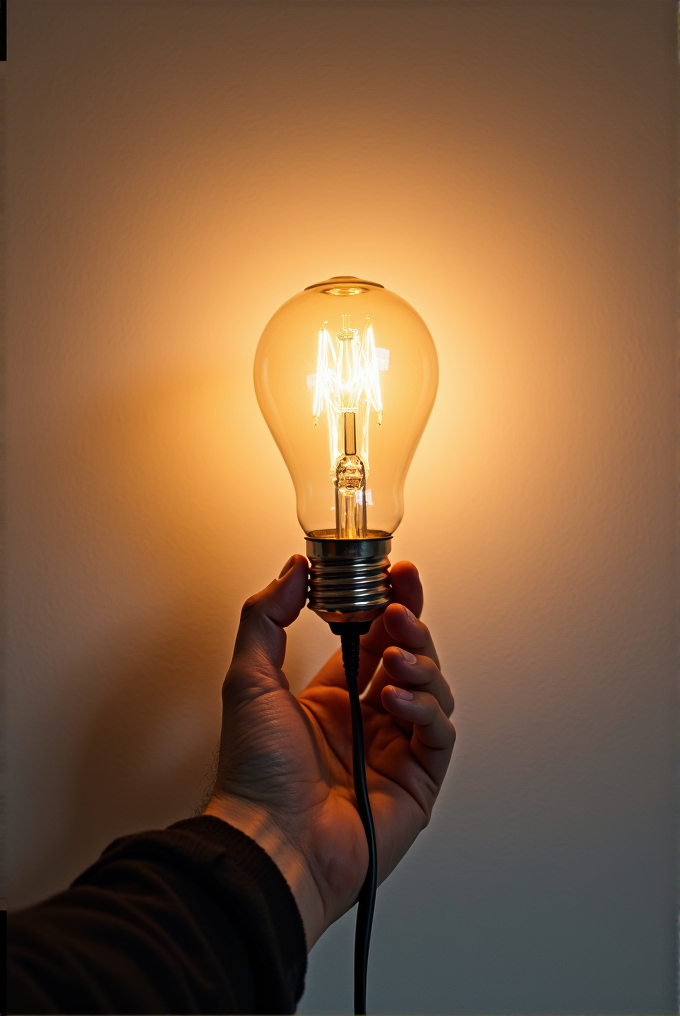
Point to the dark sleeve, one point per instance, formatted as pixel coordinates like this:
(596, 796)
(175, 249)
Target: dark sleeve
(196, 918)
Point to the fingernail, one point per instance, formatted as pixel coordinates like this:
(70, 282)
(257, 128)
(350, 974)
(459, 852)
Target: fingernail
(287, 566)
(409, 657)
(402, 693)
(410, 616)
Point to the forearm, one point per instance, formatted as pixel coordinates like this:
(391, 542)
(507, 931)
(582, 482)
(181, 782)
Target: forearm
(190, 919)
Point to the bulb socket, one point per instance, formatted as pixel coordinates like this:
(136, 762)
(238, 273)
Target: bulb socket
(348, 579)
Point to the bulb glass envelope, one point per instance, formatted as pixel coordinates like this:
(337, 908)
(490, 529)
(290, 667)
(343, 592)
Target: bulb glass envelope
(346, 375)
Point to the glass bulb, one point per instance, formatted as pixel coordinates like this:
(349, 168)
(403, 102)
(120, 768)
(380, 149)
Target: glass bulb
(346, 376)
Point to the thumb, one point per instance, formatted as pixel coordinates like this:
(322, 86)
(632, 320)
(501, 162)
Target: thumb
(261, 640)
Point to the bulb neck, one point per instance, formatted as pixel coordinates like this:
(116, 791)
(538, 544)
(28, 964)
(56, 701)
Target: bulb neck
(348, 579)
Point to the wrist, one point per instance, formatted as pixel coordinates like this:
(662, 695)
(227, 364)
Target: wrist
(257, 822)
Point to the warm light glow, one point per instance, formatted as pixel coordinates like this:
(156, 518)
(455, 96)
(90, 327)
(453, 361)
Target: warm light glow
(323, 390)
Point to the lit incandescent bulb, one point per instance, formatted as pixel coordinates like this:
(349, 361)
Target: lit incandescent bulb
(346, 376)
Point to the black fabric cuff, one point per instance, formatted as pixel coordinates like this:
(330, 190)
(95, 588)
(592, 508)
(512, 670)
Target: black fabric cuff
(268, 889)
(253, 889)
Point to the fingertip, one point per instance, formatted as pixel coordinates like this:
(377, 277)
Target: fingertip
(387, 697)
(398, 619)
(406, 585)
(399, 696)
(285, 597)
(293, 562)
(395, 656)
(287, 566)
(404, 568)
(294, 579)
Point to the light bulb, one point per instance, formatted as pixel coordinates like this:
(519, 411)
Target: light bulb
(346, 376)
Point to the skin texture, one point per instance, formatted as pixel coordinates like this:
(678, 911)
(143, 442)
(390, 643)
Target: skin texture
(285, 765)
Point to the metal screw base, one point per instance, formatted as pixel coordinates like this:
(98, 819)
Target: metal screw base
(348, 578)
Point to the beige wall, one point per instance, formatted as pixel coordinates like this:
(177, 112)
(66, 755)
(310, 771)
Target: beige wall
(177, 170)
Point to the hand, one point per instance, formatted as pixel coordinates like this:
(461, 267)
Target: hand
(285, 764)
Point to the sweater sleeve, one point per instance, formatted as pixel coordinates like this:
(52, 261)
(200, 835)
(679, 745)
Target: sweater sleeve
(196, 918)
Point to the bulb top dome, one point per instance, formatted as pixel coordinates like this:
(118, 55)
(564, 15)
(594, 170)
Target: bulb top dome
(344, 285)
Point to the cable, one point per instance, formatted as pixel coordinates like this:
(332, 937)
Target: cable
(349, 640)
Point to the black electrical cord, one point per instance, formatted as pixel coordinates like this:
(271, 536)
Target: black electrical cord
(349, 639)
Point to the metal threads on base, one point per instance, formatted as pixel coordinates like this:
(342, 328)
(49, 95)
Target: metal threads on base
(348, 578)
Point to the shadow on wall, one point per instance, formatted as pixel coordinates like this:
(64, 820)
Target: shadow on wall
(141, 490)
(146, 748)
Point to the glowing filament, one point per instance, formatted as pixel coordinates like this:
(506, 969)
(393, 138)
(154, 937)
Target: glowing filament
(347, 382)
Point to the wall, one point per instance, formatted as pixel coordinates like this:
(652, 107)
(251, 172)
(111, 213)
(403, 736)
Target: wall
(176, 171)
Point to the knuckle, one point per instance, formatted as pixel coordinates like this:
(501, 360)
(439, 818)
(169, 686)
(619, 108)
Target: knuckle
(429, 706)
(250, 607)
(235, 679)
(433, 670)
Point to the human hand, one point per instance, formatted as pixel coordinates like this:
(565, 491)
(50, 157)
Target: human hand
(285, 765)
